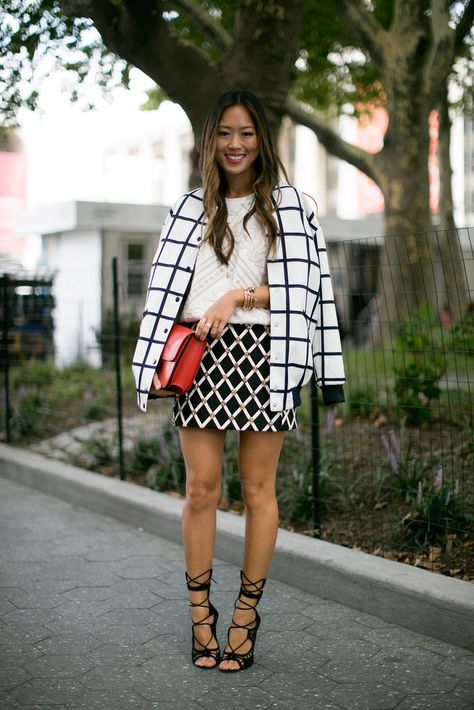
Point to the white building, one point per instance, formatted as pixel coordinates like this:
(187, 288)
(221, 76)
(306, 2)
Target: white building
(79, 241)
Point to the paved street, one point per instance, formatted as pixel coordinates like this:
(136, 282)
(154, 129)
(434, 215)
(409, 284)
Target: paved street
(93, 614)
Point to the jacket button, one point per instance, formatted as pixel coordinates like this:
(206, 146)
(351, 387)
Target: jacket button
(274, 404)
(154, 362)
(177, 298)
(276, 357)
(165, 330)
(199, 239)
(188, 268)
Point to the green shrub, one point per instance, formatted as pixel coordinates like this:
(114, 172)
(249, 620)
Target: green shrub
(129, 324)
(436, 513)
(462, 335)
(362, 401)
(408, 477)
(420, 363)
(28, 418)
(95, 410)
(33, 373)
(101, 452)
(296, 481)
(77, 369)
(145, 454)
(159, 459)
(65, 389)
(407, 470)
(231, 485)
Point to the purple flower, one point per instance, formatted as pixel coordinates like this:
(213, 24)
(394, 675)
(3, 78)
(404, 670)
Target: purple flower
(391, 454)
(395, 443)
(330, 419)
(164, 450)
(419, 495)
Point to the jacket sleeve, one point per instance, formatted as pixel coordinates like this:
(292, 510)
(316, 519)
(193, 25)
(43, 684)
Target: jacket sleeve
(163, 232)
(327, 351)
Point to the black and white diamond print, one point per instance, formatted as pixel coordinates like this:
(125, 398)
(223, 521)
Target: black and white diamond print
(231, 390)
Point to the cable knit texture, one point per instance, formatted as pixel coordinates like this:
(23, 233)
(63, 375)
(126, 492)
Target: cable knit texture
(247, 267)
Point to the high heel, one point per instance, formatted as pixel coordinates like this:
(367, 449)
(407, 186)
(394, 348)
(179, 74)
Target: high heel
(205, 651)
(245, 660)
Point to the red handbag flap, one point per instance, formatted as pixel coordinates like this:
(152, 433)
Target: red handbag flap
(177, 340)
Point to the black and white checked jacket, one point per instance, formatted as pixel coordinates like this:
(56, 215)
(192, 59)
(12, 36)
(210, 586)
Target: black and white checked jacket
(304, 333)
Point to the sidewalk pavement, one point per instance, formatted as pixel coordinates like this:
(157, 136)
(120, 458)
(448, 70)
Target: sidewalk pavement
(94, 615)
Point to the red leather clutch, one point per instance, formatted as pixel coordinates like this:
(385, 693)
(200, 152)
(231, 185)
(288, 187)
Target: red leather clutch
(180, 359)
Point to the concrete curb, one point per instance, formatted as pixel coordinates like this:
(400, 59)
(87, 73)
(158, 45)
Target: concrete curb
(417, 599)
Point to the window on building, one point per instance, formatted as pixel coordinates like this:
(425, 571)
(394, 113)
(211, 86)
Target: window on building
(135, 267)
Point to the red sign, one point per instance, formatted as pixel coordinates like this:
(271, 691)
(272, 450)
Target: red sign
(12, 201)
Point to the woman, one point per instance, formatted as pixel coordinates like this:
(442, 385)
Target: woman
(244, 259)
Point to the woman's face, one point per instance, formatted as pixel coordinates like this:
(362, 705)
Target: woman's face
(236, 142)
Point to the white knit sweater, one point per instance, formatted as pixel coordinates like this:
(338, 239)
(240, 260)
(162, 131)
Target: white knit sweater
(247, 267)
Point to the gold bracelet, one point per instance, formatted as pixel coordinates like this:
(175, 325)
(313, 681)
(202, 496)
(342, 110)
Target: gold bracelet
(250, 291)
(250, 298)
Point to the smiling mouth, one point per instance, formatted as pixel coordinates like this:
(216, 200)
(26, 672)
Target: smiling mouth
(235, 158)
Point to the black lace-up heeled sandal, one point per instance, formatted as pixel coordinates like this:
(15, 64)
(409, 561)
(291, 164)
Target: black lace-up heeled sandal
(204, 652)
(244, 660)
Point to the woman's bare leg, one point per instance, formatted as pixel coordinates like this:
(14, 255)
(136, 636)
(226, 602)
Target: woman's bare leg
(202, 452)
(258, 462)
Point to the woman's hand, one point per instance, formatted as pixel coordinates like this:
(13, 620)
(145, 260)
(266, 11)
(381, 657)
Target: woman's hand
(217, 316)
(156, 388)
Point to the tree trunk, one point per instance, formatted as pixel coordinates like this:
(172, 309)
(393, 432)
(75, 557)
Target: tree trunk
(265, 44)
(406, 279)
(455, 298)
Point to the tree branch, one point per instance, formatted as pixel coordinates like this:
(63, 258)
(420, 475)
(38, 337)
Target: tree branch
(439, 61)
(464, 25)
(371, 34)
(152, 46)
(305, 116)
(212, 29)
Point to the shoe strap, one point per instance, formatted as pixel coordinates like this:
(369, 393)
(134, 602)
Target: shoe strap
(244, 608)
(252, 593)
(200, 587)
(205, 620)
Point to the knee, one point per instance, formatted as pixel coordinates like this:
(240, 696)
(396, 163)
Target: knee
(256, 493)
(201, 494)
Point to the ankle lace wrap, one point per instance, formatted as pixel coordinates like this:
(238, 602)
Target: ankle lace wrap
(245, 660)
(194, 585)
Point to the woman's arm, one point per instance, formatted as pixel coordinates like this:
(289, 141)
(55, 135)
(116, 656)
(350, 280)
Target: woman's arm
(218, 314)
(262, 293)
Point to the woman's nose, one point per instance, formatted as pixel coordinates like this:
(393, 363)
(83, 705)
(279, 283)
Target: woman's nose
(234, 141)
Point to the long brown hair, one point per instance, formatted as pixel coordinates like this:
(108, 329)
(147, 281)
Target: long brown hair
(267, 168)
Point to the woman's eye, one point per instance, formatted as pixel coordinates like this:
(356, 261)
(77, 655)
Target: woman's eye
(248, 133)
(222, 133)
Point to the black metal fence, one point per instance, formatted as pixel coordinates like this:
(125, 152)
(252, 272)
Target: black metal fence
(391, 471)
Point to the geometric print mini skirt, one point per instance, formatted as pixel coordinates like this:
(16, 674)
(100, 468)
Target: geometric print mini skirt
(232, 385)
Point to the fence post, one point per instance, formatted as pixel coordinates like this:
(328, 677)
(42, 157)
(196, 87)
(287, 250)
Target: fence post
(316, 459)
(6, 357)
(117, 366)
